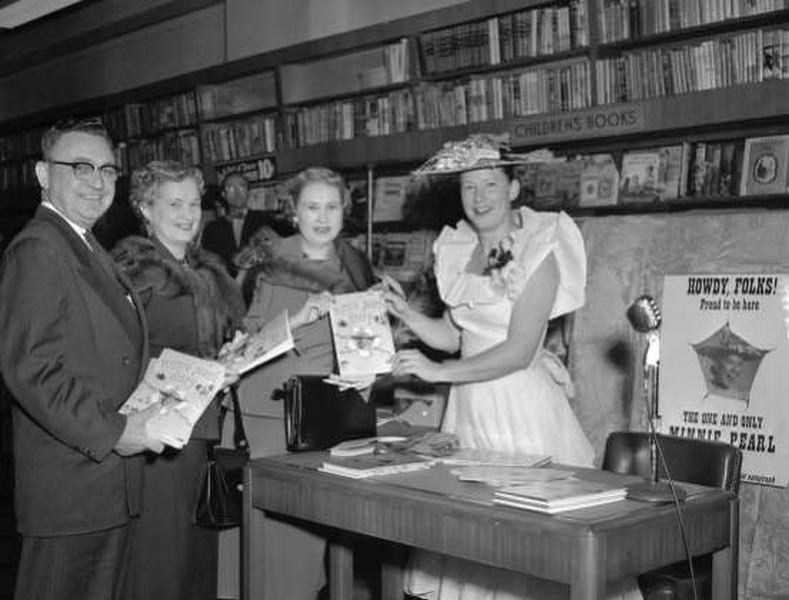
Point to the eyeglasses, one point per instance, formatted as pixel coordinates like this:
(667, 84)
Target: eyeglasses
(84, 171)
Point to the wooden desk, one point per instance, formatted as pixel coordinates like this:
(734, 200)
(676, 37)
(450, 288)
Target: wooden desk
(434, 511)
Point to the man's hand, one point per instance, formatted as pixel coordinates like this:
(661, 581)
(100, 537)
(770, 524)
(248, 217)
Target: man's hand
(135, 437)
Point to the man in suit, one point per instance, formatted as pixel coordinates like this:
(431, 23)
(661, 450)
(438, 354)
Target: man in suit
(73, 349)
(227, 234)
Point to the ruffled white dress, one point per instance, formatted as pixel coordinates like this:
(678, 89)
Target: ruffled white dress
(526, 411)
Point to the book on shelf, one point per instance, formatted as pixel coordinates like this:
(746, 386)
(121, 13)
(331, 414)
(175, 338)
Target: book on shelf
(389, 197)
(403, 255)
(372, 465)
(638, 180)
(599, 185)
(361, 333)
(764, 166)
(673, 171)
(185, 385)
(249, 350)
(558, 495)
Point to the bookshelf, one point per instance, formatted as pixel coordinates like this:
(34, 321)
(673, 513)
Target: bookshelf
(576, 76)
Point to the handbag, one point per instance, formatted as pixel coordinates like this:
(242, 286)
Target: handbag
(219, 499)
(319, 415)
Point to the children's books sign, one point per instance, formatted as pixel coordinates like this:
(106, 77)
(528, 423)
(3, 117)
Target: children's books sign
(724, 366)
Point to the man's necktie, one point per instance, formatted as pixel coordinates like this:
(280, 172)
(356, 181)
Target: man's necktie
(101, 254)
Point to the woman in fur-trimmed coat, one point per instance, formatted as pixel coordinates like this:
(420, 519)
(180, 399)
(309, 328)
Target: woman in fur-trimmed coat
(192, 305)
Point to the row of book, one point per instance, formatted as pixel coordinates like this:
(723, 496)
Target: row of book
(182, 145)
(19, 145)
(745, 58)
(14, 175)
(476, 99)
(499, 96)
(148, 118)
(634, 19)
(528, 33)
(381, 114)
(719, 169)
(239, 139)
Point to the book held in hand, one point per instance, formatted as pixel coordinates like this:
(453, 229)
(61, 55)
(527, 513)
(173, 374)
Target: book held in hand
(185, 385)
(362, 335)
(560, 495)
(247, 351)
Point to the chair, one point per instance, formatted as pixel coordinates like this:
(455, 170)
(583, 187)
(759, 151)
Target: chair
(714, 464)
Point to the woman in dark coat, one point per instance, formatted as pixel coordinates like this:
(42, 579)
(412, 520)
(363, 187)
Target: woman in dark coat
(192, 305)
(296, 273)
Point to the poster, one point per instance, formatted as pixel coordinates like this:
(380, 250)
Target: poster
(724, 366)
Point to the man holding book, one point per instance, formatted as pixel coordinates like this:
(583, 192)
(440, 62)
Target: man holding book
(73, 348)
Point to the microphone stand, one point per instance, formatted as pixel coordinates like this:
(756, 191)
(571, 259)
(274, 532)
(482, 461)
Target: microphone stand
(652, 489)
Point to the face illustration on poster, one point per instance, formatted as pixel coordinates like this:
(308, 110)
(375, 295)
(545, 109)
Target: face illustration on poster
(729, 364)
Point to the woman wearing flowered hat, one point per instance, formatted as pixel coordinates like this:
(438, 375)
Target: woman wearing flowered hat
(502, 274)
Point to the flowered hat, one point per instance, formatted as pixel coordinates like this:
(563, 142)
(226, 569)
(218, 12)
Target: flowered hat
(478, 151)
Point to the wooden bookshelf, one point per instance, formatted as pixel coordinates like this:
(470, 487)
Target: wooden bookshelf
(328, 75)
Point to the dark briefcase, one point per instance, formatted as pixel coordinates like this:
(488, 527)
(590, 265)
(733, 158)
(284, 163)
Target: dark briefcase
(318, 415)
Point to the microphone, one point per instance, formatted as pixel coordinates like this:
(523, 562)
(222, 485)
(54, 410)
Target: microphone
(644, 316)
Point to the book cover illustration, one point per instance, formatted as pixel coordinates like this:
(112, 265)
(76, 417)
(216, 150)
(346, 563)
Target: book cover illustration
(764, 166)
(361, 332)
(247, 351)
(599, 185)
(639, 179)
(185, 385)
(673, 171)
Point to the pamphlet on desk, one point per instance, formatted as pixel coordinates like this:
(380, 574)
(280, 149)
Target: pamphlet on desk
(362, 335)
(249, 350)
(185, 385)
(499, 476)
(479, 456)
(558, 495)
(370, 465)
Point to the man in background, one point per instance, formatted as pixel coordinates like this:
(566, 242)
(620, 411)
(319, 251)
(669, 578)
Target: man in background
(227, 234)
(72, 351)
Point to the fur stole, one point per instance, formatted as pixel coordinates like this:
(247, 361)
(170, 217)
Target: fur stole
(219, 307)
(278, 261)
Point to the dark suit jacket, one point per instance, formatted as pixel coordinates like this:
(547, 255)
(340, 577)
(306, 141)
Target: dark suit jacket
(218, 236)
(72, 350)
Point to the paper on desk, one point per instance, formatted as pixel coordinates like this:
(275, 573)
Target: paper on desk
(508, 475)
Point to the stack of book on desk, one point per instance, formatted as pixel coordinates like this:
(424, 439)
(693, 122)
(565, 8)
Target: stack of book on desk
(557, 496)
(370, 465)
